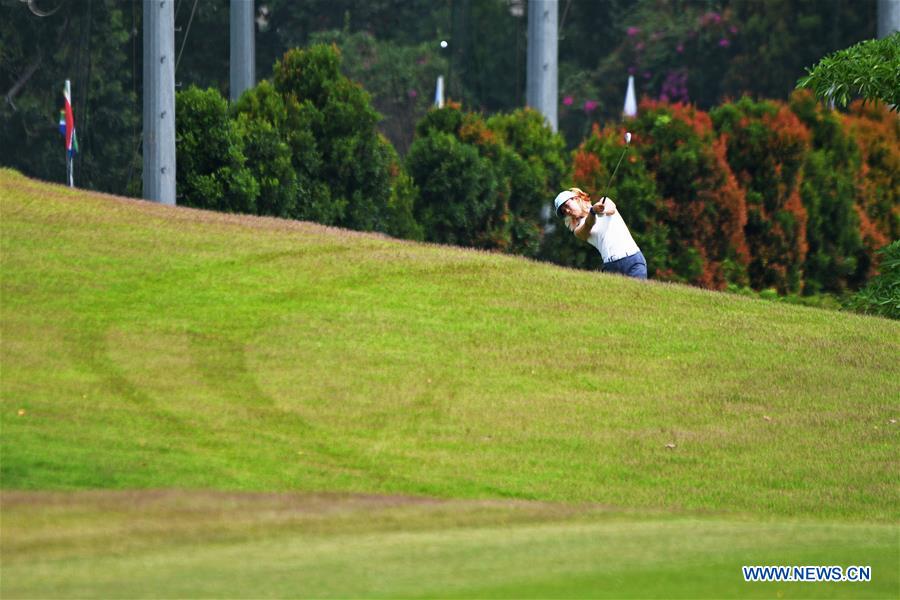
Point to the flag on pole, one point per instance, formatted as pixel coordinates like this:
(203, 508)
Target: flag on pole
(67, 123)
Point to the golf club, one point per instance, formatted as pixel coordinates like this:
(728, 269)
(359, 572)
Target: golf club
(627, 141)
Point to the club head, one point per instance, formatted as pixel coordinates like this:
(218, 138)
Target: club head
(627, 137)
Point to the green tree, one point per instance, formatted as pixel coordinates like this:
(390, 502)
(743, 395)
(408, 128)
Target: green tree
(262, 122)
(484, 182)
(869, 69)
(457, 189)
(212, 171)
(399, 220)
(536, 165)
(354, 165)
(882, 295)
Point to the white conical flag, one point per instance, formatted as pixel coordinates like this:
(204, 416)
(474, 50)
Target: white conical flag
(439, 92)
(630, 109)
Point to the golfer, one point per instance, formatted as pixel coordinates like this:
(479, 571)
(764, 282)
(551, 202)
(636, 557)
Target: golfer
(602, 226)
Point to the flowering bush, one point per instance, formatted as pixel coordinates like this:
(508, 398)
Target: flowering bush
(702, 205)
(877, 132)
(766, 148)
(836, 258)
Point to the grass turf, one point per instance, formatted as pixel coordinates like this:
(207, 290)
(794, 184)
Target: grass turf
(207, 544)
(153, 347)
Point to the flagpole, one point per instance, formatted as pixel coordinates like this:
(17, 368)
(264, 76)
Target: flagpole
(69, 173)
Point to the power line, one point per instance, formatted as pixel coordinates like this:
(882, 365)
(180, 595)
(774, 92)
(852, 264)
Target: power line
(187, 32)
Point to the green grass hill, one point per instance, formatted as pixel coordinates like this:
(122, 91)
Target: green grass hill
(201, 404)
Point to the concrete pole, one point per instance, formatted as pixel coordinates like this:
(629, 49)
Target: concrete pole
(242, 48)
(888, 17)
(542, 80)
(159, 101)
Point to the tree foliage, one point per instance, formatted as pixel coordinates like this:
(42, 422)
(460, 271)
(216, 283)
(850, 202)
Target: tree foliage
(870, 69)
(882, 295)
(484, 183)
(302, 146)
(211, 165)
(277, 149)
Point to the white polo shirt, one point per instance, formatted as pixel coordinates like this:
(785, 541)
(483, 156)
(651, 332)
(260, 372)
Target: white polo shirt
(610, 236)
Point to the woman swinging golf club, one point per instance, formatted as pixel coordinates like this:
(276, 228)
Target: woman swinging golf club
(601, 225)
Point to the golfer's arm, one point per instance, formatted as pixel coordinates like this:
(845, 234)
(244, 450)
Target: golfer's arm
(583, 231)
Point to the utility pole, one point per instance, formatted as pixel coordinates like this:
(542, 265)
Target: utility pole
(159, 101)
(542, 82)
(888, 17)
(242, 48)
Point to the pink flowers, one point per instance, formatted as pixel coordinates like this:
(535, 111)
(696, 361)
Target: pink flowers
(413, 93)
(590, 106)
(633, 31)
(724, 43)
(568, 100)
(710, 18)
(679, 48)
(674, 88)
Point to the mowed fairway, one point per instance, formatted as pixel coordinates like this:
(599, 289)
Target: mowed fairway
(203, 404)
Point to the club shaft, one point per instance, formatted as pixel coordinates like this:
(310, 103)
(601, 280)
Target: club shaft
(609, 183)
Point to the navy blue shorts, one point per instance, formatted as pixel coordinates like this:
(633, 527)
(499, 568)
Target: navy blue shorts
(630, 266)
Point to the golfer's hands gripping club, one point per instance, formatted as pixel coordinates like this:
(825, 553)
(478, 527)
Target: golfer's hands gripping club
(604, 207)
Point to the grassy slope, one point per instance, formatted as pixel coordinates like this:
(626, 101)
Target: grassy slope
(153, 347)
